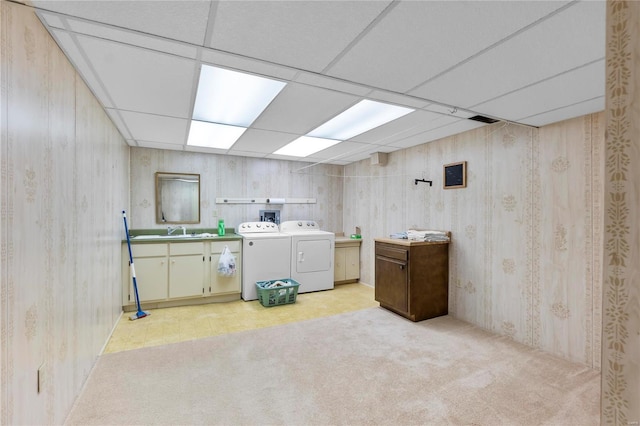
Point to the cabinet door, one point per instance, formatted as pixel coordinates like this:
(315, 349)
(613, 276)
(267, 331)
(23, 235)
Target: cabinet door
(151, 278)
(352, 263)
(391, 283)
(186, 276)
(339, 268)
(221, 284)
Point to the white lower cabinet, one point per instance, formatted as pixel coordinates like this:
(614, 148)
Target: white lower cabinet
(173, 271)
(347, 261)
(186, 269)
(219, 284)
(152, 265)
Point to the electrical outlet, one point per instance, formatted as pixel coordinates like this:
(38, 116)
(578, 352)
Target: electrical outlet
(41, 377)
(215, 213)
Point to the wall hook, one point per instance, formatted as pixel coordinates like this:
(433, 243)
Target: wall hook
(425, 181)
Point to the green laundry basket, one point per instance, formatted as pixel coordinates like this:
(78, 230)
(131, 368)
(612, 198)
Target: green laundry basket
(283, 294)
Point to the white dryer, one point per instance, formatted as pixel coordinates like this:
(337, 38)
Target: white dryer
(312, 255)
(266, 255)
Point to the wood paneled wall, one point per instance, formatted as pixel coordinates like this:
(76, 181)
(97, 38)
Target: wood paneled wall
(64, 182)
(527, 235)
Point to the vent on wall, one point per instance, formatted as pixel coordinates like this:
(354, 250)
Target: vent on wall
(379, 158)
(483, 119)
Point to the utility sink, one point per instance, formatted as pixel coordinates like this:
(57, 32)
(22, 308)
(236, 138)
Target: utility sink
(173, 237)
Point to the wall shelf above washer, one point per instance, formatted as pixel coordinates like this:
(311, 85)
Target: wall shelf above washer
(250, 200)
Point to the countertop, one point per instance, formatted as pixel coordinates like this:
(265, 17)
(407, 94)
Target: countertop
(344, 240)
(403, 242)
(178, 238)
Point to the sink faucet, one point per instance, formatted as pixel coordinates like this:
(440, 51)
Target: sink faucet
(170, 229)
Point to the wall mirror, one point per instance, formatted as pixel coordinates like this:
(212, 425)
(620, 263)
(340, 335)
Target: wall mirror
(177, 198)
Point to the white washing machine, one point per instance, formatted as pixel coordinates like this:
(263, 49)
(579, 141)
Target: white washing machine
(266, 255)
(312, 255)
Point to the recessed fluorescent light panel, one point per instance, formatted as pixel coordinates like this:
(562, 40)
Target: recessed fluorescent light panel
(363, 116)
(305, 146)
(213, 135)
(227, 102)
(231, 97)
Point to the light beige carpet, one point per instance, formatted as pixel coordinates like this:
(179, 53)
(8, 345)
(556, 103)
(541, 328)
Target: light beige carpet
(363, 367)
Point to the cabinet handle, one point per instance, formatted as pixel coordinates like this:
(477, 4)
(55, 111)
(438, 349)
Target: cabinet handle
(401, 266)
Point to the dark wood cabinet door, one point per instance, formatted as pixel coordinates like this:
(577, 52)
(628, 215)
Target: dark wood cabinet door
(392, 283)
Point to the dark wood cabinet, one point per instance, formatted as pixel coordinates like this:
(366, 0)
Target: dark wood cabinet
(412, 277)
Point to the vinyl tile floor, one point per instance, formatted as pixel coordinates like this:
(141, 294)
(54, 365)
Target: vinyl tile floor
(171, 325)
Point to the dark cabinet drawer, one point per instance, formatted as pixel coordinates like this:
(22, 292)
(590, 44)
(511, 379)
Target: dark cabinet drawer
(391, 252)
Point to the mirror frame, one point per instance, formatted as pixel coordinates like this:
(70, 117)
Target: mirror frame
(159, 208)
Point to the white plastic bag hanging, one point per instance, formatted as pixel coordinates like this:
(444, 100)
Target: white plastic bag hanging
(227, 263)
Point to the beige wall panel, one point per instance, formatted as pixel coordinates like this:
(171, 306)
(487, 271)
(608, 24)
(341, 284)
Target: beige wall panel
(566, 284)
(65, 169)
(510, 232)
(597, 200)
(463, 212)
(59, 244)
(27, 218)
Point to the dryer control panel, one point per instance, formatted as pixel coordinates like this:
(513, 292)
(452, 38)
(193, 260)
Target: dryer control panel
(299, 225)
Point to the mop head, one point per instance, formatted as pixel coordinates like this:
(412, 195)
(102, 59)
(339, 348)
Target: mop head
(138, 315)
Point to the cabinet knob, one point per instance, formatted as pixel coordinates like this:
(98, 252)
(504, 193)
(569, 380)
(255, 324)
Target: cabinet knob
(401, 266)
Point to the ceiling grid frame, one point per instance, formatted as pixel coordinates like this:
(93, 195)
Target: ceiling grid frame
(113, 17)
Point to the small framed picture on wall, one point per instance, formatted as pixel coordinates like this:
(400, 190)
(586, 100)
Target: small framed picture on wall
(455, 175)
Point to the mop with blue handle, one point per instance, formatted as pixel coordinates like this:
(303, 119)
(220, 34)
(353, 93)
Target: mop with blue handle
(140, 313)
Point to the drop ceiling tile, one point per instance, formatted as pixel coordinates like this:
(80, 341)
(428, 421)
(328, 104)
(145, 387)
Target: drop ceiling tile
(204, 149)
(78, 59)
(304, 161)
(247, 154)
(158, 145)
(341, 150)
(51, 19)
(332, 84)
(397, 128)
(419, 39)
(397, 99)
(559, 92)
(366, 153)
(302, 34)
(240, 63)
(451, 111)
(114, 114)
(261, 141)
(141, 80)
(576, 110)
(300, 108)
(438, 133)
(416, 122)
(156, 128)
(133, 38)
(533, 55)
(184, 20)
